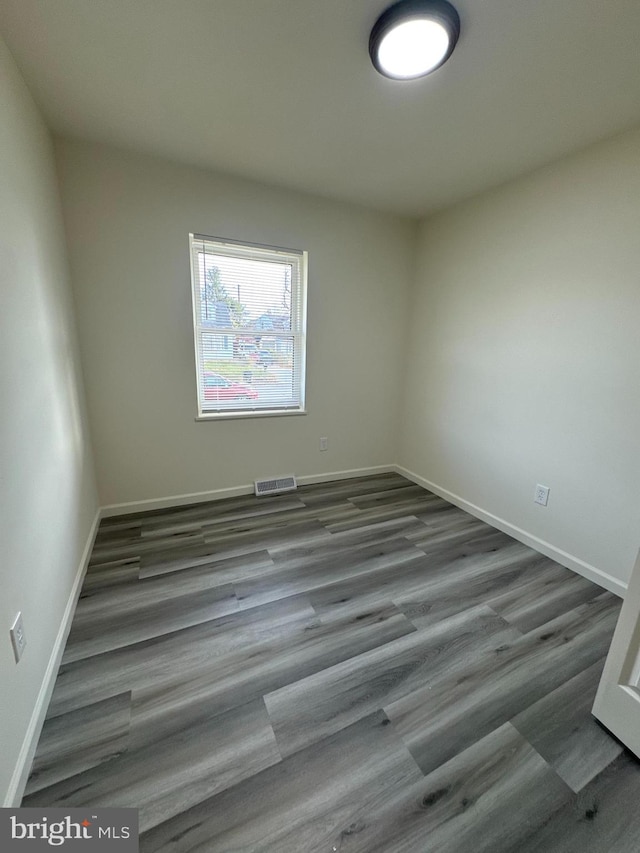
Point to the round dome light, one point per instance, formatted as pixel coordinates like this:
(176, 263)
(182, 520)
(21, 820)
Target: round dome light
(413, 38)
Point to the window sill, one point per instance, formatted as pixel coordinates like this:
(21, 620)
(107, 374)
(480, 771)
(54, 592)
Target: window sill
(264, 413)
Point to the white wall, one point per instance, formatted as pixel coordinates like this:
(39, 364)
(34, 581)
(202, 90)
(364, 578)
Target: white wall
(48, 499)
(128, 217)
(524, 355)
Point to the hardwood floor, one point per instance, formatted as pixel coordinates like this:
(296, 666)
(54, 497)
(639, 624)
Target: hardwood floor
(358, 666)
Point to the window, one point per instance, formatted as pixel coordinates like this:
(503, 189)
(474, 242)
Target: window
(249, 306)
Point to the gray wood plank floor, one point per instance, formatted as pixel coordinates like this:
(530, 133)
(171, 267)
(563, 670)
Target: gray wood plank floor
(358, 666)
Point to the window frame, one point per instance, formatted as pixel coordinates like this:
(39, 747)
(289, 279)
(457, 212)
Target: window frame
(298, 314)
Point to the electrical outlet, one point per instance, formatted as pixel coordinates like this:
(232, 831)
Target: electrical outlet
(542, 495)
(18, 639)
(324, 444)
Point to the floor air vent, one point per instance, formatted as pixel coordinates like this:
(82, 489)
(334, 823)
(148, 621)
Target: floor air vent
(276, 485)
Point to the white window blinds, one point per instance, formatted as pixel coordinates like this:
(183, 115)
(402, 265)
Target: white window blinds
(249, 324)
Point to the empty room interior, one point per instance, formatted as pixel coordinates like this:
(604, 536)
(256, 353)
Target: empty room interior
(319, 418)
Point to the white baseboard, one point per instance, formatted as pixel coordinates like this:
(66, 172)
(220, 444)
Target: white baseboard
(588, 571)
(174, 500)
(308, 479)
(219, 494)
(25, 759)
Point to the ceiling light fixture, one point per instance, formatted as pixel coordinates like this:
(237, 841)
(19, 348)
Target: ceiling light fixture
(413, 37)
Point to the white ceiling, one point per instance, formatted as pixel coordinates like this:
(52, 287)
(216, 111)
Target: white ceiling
(283, 90)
